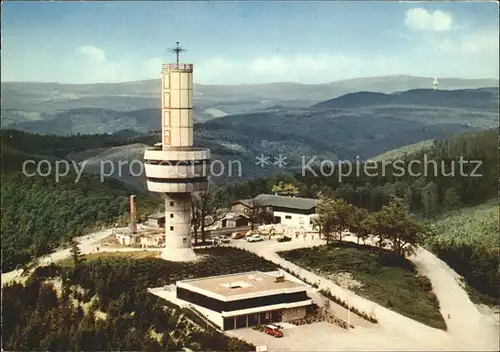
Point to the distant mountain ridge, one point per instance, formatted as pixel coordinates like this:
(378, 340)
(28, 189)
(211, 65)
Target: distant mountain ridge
(481, 98)
(361, 124)
(40, 97)
(97, 120)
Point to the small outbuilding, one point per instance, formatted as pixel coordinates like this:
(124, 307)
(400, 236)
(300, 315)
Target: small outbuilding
(156, 220)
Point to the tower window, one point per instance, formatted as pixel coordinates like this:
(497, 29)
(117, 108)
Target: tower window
(184, 240)
(171, 204)
(171, 228)
(171, 216)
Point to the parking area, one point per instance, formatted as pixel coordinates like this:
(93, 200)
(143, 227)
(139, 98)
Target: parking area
(323, 336)
(319, 336)
(275, 246)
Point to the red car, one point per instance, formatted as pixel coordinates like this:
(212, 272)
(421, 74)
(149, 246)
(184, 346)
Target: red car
(273, 331)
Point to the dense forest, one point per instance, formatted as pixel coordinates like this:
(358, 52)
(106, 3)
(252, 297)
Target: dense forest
(426, 192)
(60, 146)
(69, 209)
(39, 214)
(434, 193)
(101, 305)
(468, 240)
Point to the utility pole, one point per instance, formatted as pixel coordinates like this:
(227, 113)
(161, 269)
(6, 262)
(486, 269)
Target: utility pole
(177, 50)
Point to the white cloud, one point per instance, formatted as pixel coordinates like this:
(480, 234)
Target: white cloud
(218, 70)
(451, 54)
(422, 20)
(468, 55)
(93, 53)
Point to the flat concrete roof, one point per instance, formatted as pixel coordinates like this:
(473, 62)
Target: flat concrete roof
(242, 283)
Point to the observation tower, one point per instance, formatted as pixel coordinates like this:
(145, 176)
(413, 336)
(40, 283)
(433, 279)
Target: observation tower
(174, 167)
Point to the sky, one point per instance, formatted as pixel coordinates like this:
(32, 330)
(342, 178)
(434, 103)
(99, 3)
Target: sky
(246, 42)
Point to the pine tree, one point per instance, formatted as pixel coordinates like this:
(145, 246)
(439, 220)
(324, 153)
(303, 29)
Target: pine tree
(76, 253)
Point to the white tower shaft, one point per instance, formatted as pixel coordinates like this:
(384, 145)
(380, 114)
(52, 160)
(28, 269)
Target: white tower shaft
(177, 169)
(177, 105)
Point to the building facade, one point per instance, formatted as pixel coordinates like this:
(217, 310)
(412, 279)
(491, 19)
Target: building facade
(247, 299)
(292, 212)
(127, 239)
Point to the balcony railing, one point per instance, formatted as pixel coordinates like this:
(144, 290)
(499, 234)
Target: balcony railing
(187, 67)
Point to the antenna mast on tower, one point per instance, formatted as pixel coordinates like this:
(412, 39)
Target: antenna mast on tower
(177, 50)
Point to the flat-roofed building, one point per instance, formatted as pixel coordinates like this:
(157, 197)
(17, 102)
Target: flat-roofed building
(246, 299)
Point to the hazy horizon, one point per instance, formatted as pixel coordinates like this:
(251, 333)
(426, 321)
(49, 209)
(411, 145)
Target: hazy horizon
(263, 83)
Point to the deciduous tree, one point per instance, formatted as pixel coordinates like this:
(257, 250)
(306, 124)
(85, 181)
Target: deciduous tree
(357, 224)
(207, 207)
(395, 226)
(285, 189)
(334, 216)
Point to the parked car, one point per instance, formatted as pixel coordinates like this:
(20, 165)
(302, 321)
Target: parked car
(283, 239)
(222, 239)
(237, 235)
(255, 238)
(273, 331)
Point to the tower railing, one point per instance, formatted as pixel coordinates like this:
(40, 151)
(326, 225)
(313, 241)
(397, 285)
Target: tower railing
(177, 67)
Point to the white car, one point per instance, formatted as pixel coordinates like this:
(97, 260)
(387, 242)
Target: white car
(222, 239)
(255, 238)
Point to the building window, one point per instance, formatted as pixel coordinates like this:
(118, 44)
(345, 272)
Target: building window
(171, 228)
(171, 216)
(184, 240)
(171, 204)
(288, 217)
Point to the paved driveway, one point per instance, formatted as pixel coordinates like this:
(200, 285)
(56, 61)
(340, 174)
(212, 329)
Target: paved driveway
(323, 336)
(469, 331)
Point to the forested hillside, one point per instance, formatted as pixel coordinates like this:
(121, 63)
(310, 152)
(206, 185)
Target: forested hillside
(60, 146)
(482, 98)
(468, 240)
(103, 305)
(469, 248)
(39, 214)
(428, 190)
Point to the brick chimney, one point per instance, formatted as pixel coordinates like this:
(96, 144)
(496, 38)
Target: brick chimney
(133, 214)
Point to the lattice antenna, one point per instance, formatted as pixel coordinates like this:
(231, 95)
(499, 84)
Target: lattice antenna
(177, 50)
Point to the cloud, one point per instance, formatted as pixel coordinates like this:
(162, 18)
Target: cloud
(468, 54)
(93, 53)
(422, 20)
(452, 54)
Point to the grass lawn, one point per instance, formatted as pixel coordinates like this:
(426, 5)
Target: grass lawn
(388, 281)
(107, 255)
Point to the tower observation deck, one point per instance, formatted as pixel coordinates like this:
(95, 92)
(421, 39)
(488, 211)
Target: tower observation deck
(177, 169)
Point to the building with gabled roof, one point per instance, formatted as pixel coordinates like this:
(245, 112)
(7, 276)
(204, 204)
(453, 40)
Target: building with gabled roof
(289, 211)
